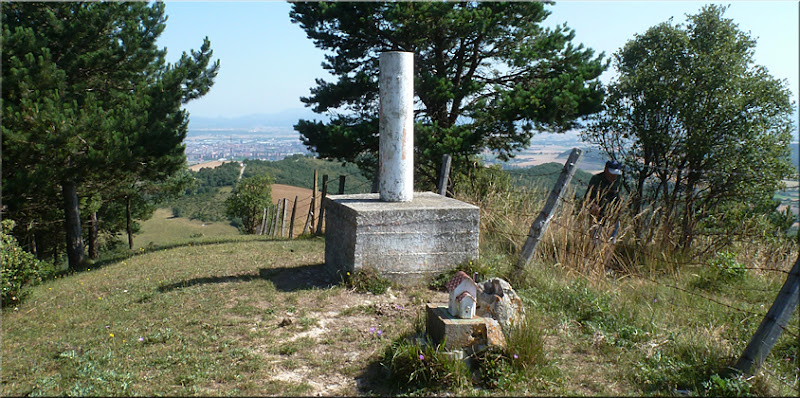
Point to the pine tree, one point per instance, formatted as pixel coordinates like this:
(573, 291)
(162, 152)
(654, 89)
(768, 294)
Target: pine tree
(89, 104)
(487, 75)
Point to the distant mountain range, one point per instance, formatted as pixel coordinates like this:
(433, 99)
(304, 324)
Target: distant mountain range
(282, 120)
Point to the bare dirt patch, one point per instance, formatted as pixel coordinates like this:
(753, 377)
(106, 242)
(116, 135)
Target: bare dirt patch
(323, 338)
(212, 164)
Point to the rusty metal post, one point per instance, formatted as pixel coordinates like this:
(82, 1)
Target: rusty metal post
(396, 127)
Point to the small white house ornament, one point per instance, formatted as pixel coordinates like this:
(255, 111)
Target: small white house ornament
(463, 292)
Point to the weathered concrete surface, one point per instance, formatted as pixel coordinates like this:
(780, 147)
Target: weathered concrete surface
(475, 333)
(396, 126)
(407, 242)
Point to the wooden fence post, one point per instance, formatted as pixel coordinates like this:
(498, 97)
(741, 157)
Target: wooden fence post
(275, 222)
(341, 184)
(321, 205)
(444, 175)
(773, 323)
(308, 218)
(539, 225)
(291, 222)
(284, 205)
(265, 227)
(313, 200)
(270, 218)
(263, 223)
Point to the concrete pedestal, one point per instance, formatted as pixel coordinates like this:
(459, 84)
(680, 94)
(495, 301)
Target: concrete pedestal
(406, 242)
(474, 333)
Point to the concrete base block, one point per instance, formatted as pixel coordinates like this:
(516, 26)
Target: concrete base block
(406, 242)
(457, 334)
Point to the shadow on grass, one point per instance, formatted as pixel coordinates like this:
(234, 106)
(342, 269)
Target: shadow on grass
(285, 279)
(117, 256)
(375, 380)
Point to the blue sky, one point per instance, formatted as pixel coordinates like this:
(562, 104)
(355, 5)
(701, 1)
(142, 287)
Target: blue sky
(267, 63)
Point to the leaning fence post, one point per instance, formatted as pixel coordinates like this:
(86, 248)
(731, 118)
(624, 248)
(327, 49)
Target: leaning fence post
(773, 323)
(308, 217)
(321, 206)
(539, 225)
(269, 220)
(260, 230)
(444, 176)
(313, 200)
(291, 222)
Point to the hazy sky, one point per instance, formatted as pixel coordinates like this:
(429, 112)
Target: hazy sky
(267, 63)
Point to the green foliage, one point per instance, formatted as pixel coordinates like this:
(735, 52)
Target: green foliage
(486, 74)
(88, 85)
(702, 130)
(249, 199)
(722, 270)
(424, 367)
(20, 269)
(545, 176)
(717, 386)
(480, 266)
(726, 266)
(494, 367)
(298, 171)
(225, 174)
(367, 279)
(525, 342)
(206, 205)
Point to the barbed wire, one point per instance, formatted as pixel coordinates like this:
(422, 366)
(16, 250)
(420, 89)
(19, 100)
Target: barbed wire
(780, 380)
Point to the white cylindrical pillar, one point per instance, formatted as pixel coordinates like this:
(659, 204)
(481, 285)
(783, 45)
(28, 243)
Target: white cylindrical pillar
(396, 150)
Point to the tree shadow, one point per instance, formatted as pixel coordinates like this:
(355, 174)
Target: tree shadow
(109, 258)
(375, 380)
(285, 279)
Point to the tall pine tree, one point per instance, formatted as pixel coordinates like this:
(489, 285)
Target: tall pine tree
(89, 104)
(487, 75)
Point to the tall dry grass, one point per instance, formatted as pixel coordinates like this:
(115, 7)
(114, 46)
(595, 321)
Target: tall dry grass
(643, 244)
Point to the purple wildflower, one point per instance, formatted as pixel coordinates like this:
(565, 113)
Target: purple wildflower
(421, 357)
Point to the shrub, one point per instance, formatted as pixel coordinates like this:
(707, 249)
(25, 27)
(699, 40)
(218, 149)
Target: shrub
(249, 198)
(367, 279)
(722, 269)
(20, 269)
(424, 366)
(726, 266)
(526, 343)
(717, 386)
(470, 267)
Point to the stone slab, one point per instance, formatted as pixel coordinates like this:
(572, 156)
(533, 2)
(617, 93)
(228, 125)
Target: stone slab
(475, 333)
(405, 241)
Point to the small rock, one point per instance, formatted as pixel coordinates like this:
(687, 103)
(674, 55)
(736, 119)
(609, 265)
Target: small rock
(499, 301)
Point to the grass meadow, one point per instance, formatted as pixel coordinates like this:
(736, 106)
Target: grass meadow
(203, 311)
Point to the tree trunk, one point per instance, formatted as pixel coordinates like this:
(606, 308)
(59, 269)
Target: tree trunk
(128, 226)
(72, 225)
(93, 249)
(687, 229)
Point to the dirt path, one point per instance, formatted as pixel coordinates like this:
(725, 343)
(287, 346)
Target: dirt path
(329, 342)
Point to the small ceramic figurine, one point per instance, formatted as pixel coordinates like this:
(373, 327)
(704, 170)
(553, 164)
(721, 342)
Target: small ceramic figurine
(463, 293)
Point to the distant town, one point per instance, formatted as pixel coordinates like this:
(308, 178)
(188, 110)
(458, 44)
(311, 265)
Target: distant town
(229, 144)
